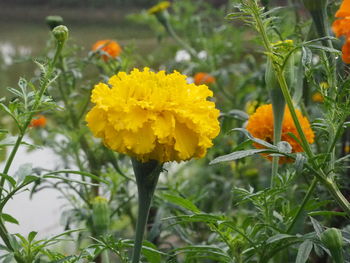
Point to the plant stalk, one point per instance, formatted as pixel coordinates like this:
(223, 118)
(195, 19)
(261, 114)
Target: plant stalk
(147, 175)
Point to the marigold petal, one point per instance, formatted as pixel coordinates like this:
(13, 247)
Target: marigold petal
(151, 115)
(344, 9)
(186, 141)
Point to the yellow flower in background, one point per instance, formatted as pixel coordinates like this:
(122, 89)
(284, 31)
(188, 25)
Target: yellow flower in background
(324, 85)
(154, 116)
(251, 106)
(260, 125)
(159, 7)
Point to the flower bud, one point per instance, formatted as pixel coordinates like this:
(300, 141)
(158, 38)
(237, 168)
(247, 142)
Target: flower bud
(333, 240)
(60, 33)
(100, 215)
(53, 21)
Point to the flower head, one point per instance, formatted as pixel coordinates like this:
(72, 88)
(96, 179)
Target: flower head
(159, 7)
(341, 27)
(203, 78)
(109, 47)
(317, 97)
(344, 9)
(38, 121)
(154, 116)
(260, 125)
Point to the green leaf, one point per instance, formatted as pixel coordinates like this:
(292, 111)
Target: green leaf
(23, 171)
(304, 251)
(239, 155)
(326, 213)
(326, 49)
(32, 235)
(151, 253)
(29, 179)
(284, 147)
(182, 202)
(9, 179)
(306, 57)
(257, 140)
(9, 218)
(279, 237)
(317, 226)
(238, 114)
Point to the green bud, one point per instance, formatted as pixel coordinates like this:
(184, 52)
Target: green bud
(333, 240)
(100, 215)
(53, 21)
(60, 33)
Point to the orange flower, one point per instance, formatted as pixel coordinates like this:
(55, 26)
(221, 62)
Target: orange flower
(110, 47)
(38, 121)
(203, 78)
(317, 97)
(341, 27)
(260, 125)
(344, 10)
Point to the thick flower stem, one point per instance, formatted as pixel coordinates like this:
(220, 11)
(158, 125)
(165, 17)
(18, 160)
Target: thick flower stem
(147, 175)
(278, 105)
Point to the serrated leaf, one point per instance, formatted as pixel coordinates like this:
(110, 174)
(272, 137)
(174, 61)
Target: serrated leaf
(257, 140)
(299, 162)
(326, 49)
(238, 155)
(304, 251)
(284, 147)
(317, 226)
(306, 58)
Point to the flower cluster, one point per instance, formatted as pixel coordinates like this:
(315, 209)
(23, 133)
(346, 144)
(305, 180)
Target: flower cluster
(159, 7)
(154, 116)
(109, 47)
(260, 125)
(341, 27)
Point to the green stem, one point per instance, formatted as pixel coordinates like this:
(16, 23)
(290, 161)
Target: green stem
(147, 175)
(165, 22)
(303, 203)
(327, 182)
(44, 85)
(105, 256)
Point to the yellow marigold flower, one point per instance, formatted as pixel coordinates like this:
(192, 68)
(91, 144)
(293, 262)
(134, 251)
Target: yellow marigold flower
(260, 125)
(154, 116)
(159, 7)
(110, 47)
(317, 97)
